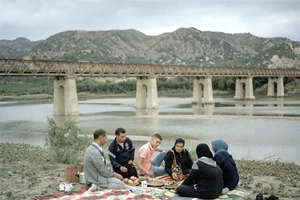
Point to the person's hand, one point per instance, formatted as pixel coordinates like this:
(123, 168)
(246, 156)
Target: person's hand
(130, 162)
(118, 176)
(150, 174)
(175, 177)
(176, 188)
(123, 169)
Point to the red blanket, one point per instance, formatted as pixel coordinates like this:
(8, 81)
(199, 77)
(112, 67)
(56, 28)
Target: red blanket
(104, 194)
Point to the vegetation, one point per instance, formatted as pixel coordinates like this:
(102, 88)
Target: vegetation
(23, 86)
(66, 142)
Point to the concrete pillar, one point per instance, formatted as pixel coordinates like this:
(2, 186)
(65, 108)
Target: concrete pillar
(280, 87)
(141, 93)
(199, 84)
(197, 91)
(239, 90)
(208, 91)
(249, 88)
(146, 93)
(65, 96)
(270, 87)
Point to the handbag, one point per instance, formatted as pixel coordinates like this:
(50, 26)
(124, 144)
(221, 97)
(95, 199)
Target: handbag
(176, 168)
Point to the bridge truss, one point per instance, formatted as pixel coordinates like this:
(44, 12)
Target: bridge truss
(94, 69)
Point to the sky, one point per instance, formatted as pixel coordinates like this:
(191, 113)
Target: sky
(40, 19)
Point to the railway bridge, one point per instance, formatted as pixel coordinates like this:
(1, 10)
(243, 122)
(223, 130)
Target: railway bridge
(66, 72)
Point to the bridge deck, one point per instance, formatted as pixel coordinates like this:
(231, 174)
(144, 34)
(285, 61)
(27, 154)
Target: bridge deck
(93, 69)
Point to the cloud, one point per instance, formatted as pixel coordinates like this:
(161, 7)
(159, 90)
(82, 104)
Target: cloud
(39, 19)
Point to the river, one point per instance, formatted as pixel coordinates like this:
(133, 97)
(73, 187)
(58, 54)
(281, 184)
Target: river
(263, 129)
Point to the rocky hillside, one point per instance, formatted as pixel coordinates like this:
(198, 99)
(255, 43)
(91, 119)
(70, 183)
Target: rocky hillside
(185, 46)
(16, 49)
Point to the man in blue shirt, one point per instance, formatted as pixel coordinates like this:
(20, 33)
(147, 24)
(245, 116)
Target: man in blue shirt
(121, 154)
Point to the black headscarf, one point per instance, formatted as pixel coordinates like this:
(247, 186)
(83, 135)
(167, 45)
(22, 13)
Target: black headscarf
(203, 150)
(179, 140)
(180, 157)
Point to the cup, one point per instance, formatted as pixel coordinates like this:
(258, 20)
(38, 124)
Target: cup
(144, 184)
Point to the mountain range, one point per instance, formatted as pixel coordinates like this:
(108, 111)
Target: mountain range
(185, 46)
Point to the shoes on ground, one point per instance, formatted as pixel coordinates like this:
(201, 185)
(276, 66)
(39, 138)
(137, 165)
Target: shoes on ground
(272, 197)
(259, 197)
(61, 187)
(65, 187)
(93, 187)
(225, 190)
(68, 187)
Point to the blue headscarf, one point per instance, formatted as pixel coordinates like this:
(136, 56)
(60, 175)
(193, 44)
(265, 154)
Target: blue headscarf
(219, 145)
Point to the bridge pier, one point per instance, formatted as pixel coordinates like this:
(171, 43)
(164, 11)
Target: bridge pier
(200, 84)
(239, 88)
(65, 96)
(280, 87)
(146, 92)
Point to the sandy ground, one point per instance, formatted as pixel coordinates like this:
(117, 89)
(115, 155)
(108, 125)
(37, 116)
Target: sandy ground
(26, 171)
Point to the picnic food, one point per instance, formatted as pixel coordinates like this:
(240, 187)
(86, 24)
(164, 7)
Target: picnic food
(131, 181)
(155, 184)
(133, 178)
(125, 180)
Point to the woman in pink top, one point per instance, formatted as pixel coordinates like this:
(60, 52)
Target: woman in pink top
(145, 153)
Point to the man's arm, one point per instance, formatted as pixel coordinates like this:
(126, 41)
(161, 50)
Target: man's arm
(161, 149)
(140, 166)
(131, 151)
(112, 156)
(192, 176)
(98, 161)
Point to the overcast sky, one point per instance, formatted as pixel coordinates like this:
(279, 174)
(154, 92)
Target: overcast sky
(39, 19)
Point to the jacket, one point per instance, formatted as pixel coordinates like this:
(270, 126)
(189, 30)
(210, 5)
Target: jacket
(120, 156)
(95, 169)
(183, 159)
(206, 177)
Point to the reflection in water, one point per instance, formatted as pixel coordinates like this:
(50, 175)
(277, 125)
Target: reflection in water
(146, 121)
(207, 109)
(145, 111)
(254, 129)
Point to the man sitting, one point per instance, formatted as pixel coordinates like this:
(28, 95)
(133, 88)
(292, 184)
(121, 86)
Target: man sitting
(144, 163)
(121, 154)
(96, 173)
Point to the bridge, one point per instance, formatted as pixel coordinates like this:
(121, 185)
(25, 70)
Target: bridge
(66, 72)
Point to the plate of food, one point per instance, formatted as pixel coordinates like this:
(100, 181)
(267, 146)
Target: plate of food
(155, 183)
(132, 181)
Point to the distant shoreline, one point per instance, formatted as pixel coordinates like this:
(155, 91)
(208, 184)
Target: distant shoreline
(87, 95)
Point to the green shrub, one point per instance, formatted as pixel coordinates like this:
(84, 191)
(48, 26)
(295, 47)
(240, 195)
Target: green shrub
(67, 144)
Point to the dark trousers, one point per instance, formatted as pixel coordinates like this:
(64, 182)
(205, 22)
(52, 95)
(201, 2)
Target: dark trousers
(189, 191)
(131, 171)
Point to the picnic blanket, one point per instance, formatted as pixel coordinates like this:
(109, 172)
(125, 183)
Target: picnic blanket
(99, 194)
(134, 192)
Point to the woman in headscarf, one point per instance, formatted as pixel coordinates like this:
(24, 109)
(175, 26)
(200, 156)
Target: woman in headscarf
(205, 178)
(182, 159)
(226, 163)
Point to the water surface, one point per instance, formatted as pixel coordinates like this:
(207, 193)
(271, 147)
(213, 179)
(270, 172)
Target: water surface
(266, 128)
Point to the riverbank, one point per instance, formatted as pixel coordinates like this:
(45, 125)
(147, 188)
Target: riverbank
(88, 95)
(27, 170)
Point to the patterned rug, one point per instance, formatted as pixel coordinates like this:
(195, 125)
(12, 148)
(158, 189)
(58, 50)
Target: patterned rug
(133, 193)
